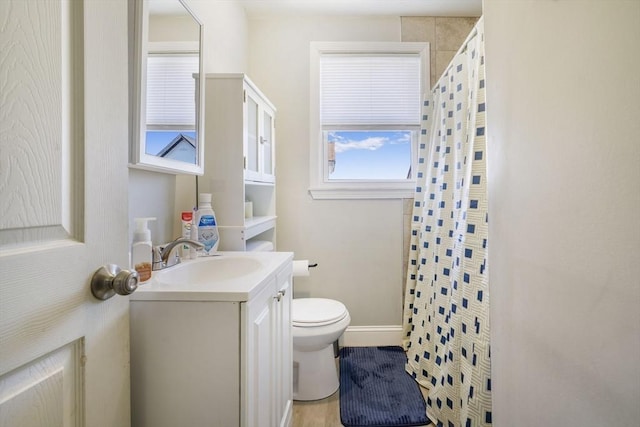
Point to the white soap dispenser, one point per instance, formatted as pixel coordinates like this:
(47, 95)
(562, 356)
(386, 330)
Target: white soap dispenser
(142, 249)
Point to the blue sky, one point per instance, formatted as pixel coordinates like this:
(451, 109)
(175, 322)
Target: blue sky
(157, 140)
(371, 154)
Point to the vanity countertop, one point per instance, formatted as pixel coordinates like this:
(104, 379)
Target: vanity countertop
(228, 276)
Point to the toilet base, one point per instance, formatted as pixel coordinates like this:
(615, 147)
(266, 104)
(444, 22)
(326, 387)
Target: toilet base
(315, 374)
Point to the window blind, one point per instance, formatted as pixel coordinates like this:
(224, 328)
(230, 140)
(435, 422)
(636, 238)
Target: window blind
(171, 91)
(370, 89)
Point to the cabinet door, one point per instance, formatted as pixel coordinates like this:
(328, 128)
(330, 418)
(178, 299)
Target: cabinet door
(283, 352)
(259, 140)
(253, 140)
(258, 381)
(267, 149)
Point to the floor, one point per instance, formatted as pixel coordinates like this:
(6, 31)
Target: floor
(320, 413)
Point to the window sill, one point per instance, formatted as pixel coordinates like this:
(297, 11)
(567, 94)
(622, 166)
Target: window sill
(361, 193)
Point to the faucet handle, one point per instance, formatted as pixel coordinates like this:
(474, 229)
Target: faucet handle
(162, 259)
(173, 260)
(157, 257)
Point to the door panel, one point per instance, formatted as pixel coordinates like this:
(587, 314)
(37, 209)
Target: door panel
(63, 212)
(37, 204)
(53, 381)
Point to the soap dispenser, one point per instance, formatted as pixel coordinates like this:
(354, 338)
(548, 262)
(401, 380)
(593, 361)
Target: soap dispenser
(142, 249)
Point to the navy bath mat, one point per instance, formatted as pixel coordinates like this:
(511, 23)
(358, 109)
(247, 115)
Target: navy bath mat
(375, 390)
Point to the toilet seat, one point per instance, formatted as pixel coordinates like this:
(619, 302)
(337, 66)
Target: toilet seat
(313, 312)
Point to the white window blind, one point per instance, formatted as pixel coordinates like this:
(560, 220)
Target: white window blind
(171, 91)
(370, 89)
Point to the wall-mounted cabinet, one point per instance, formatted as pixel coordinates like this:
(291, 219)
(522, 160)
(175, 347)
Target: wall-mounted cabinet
(240, 161)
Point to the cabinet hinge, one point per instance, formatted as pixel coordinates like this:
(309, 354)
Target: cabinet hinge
(244, 162)
(244, 95)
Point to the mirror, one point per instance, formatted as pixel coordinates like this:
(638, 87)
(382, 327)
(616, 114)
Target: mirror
(166, 92)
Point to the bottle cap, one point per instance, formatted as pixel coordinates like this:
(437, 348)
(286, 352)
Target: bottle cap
(142, 232)
(204, 198)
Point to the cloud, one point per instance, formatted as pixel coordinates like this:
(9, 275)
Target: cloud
(371, 144)
(402, 138)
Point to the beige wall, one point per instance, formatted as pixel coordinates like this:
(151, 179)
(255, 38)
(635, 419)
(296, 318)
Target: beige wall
(225, 33)
(164, 196)
(563, 84)
(359, 245)
(356, 243)
(173, 28)
(226, 51)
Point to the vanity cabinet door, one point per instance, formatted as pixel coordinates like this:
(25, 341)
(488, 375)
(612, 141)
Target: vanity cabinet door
(259, 359)
(283, 352)
(268, 392)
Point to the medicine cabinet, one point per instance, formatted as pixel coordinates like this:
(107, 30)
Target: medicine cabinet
(166, 50)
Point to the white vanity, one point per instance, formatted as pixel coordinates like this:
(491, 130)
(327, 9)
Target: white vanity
(211, 343)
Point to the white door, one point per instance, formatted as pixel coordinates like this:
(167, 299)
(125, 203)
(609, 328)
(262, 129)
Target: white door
(64, 355)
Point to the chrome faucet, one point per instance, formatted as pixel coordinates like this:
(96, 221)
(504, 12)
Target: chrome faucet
(162, 254)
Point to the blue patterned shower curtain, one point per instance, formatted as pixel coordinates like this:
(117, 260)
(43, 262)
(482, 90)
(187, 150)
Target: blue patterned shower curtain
(446, 312)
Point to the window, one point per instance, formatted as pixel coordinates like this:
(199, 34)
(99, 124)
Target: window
(365, 118)
(171, 100)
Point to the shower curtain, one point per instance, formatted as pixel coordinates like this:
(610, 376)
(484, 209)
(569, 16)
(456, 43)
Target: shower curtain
(446, 312)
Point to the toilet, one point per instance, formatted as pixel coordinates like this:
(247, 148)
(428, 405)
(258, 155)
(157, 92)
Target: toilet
(316, 323)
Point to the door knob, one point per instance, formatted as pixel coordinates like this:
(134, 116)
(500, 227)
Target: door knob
(110, 279)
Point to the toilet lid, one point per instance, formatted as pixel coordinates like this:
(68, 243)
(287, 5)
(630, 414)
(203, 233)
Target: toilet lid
(308, 312)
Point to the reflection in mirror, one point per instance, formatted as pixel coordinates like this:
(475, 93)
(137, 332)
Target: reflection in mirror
(167, 127)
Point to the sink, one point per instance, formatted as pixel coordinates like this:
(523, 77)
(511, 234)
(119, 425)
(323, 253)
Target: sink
(208, 270)
(229, 276)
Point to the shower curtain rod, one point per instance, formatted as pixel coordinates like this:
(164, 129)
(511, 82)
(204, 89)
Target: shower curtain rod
(471, 35)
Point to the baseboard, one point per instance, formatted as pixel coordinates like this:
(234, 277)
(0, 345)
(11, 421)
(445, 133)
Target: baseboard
(371, 336)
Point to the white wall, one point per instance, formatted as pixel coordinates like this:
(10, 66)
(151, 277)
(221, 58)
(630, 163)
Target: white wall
(563, 91)
(357, 244)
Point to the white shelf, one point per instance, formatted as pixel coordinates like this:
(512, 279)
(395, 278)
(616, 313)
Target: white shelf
(258, 224)
(259, 183)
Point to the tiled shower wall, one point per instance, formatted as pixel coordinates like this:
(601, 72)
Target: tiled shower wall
(445, 36)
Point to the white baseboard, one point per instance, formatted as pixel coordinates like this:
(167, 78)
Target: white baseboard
(372, 336)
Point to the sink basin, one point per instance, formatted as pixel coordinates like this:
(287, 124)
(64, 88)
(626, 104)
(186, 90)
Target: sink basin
(230, 276)
(207, 270)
